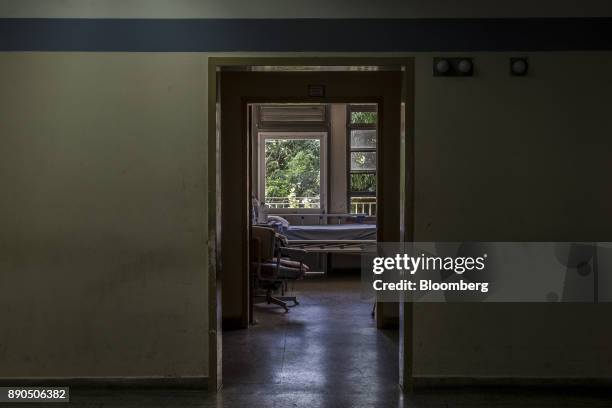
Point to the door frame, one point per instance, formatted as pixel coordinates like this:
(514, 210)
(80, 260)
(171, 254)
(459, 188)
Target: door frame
(406, 216)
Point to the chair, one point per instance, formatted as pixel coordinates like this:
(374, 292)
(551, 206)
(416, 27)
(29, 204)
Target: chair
(273, 265)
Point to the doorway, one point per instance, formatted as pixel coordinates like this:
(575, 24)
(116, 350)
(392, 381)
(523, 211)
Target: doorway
(239, 85)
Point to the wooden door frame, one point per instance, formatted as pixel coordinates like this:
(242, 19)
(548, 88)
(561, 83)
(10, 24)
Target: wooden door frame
(406, 216)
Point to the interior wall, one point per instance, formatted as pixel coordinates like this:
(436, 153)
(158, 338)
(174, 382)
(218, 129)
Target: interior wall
(500, 158)
(103, 238)
(103, 244)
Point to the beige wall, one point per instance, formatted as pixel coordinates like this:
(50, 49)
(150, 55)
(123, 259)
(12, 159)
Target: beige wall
(103, 238)
(502, 158)
(103, 215)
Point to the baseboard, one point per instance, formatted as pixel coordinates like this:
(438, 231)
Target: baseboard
(541, 382)
(191, 383)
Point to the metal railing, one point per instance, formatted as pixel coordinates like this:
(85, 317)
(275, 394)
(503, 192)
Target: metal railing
(359, 205)
(293, 202)
(363, 205)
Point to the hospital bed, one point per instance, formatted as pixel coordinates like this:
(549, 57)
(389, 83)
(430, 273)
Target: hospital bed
(326, 234)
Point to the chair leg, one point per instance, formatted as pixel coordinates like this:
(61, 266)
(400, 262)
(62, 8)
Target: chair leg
(289, 299)
(285, 289)
(276, 301)
(279, 302)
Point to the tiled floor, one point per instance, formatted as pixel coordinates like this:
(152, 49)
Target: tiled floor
(325, 353)
(328, 342)
(325, 349)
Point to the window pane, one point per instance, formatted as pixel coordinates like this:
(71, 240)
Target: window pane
(363, 205)
(363, 138)
(363, 182)
(363, 117)
(363, 160)
(293, 173)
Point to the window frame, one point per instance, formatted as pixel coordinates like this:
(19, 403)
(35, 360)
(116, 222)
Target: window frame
(349, 149)
(261, 168)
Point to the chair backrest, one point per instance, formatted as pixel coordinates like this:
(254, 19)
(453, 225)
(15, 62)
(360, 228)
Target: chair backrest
(265, 243)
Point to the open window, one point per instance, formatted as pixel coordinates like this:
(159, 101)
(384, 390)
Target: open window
(292, 171)
(362, 131)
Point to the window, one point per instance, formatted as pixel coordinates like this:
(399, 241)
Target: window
(362, 132)
(292, 170)
(291, 115)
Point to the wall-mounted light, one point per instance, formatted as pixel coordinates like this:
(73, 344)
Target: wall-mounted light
(453, 67)
(442, 67)
(519, 66)
(465, 66)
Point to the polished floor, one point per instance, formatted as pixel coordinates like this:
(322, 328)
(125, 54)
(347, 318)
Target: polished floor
(328, 342)
(325, 353)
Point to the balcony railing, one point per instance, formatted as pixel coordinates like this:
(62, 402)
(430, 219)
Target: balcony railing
(359, 205)
(293, 202)
(363, 205)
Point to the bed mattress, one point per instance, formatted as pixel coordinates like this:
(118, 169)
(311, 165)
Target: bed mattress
(331, 232)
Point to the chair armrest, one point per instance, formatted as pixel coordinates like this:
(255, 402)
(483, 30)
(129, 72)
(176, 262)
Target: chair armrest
(296, 254)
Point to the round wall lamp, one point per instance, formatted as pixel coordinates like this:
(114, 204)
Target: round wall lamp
(464, 66)
(442, 66)
(453, 66)
(519, 66)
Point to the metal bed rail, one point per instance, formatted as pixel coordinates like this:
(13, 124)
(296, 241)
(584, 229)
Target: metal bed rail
(333, 245)
(327, 247)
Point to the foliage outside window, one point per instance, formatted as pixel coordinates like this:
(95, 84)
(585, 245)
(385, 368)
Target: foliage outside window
(362, 135)
(292, 167)
(363, 117)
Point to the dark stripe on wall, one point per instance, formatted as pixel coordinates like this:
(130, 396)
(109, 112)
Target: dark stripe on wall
(375, 35)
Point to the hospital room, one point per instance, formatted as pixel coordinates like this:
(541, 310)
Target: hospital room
(314, 184)
(313, 208)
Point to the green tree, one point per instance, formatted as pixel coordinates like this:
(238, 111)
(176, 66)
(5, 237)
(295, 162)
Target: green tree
(293, 169)
(363, 117)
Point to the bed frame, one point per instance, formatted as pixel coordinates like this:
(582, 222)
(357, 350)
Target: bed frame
(341, 246)
(328, 247)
